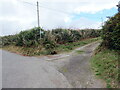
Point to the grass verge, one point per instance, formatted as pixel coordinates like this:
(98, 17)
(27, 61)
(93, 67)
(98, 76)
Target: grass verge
(35, 51)
(70, 46)
(79, 51)
(106, 66)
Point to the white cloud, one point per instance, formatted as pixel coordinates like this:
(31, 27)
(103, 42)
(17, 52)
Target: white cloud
(16, 15)
(94, 7)
(85, 23)
(67, 19)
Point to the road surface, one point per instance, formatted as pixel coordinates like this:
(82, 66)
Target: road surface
(68, 70)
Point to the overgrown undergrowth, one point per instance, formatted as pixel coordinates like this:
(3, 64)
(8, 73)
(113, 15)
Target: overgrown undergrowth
(106, 66)
(31, 42)
(40, 50)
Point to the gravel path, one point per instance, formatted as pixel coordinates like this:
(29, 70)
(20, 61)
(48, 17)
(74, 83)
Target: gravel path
(70, 70)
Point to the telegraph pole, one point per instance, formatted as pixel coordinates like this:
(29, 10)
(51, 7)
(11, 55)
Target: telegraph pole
(38, 17)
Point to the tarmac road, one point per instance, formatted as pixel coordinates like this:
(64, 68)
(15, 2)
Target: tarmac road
(77, 68)
(72, 70)
(29, 72)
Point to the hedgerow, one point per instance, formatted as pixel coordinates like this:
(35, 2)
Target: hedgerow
(49, 39)
(111, 33)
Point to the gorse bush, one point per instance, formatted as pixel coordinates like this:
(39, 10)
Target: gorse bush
(49, 39)
(56, 36)
(111, 33)
(63, 36)
(87, 33)
(7, 40)
(29, 38)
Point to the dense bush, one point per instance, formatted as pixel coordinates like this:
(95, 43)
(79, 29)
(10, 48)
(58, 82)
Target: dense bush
(49, 39)
(63, 36)
(111, 33)
(87, 33)
(7, 40)
(56, 36)
(29, 38)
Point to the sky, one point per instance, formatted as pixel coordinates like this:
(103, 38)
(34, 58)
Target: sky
(19, 15)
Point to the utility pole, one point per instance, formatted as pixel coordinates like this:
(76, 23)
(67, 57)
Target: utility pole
(38, 17)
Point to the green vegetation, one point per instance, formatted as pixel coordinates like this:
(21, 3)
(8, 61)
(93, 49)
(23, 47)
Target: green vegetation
(105, 65)
(71, 46)
(111, 33)
(32, 51)
(24, 38)
(79, 51)
(51, 42)
(63, 69)
(107, 59)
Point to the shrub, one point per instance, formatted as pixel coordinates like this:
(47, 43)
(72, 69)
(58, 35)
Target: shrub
(62, 35)
(111, 33)
(29, 38)
(49, 40)
(7, 40)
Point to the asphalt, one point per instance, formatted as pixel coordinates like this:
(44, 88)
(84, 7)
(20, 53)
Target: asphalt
(68, 70)
(77, 68)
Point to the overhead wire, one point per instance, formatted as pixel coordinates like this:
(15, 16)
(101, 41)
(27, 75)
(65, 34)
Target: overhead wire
(46, 7)
(27, 3)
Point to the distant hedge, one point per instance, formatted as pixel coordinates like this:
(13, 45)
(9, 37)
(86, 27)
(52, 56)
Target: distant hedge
(111, 33)
(25, 38)
(50, 38)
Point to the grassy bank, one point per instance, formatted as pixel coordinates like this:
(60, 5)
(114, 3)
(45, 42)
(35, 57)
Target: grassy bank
(70, 46)
(40, 50)
(105, 65)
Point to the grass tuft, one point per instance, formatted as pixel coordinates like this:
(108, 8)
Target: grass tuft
(105, 65)
(79, 51)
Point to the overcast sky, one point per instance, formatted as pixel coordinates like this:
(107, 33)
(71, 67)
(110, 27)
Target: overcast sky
(18, 15)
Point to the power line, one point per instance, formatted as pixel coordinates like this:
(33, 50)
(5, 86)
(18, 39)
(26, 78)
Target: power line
(52, 9)
(28, 3)
(57, 10)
